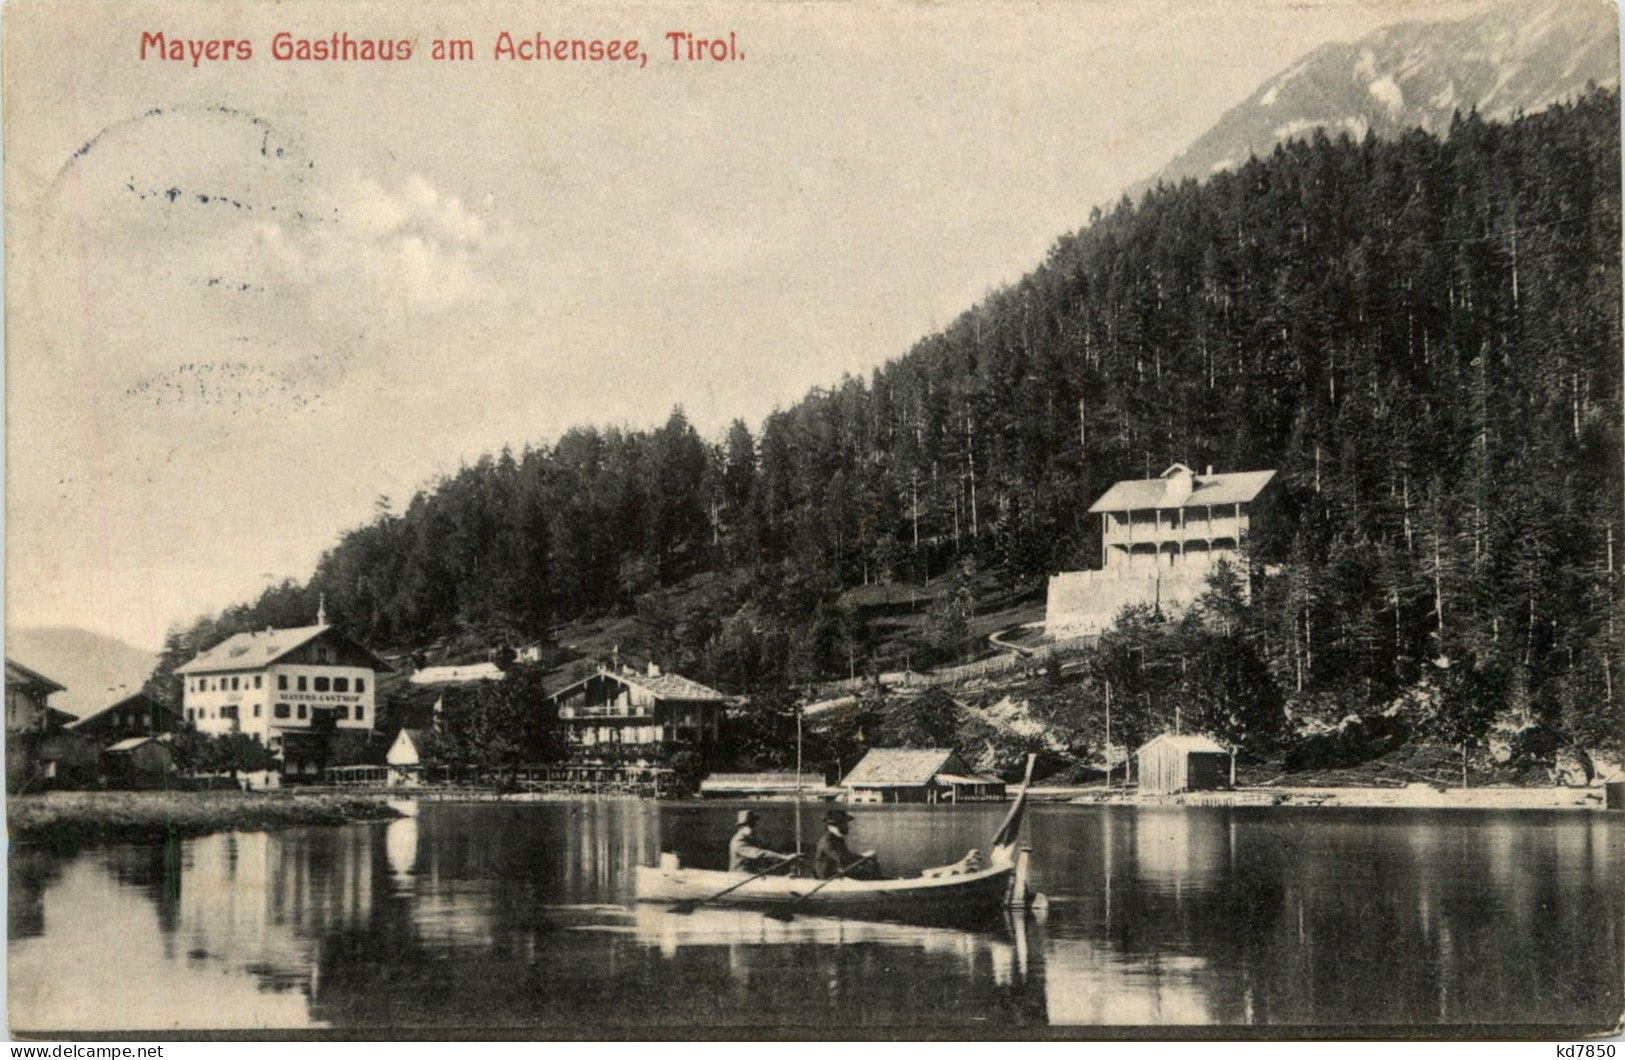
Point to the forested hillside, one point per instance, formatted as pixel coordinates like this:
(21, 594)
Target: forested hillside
(1423, 334)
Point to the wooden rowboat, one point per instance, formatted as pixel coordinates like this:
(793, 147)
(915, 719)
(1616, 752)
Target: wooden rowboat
(966, 898)
(922, 899)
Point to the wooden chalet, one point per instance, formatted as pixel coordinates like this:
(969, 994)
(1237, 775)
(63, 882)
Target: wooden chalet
(136, 715)
(630, 716)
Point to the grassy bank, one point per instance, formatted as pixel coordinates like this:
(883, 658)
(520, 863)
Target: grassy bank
(92, 816)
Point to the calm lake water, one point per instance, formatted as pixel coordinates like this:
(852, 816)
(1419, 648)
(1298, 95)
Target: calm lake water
(519, 916)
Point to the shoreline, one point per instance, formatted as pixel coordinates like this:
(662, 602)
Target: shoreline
(76, 817)
(1411, 796)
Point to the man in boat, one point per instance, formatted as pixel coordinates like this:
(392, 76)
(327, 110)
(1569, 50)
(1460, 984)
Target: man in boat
(833, 855)
(745, 854)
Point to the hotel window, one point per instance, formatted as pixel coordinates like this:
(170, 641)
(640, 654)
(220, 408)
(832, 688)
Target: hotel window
(281, 710)
(360, 713)
(256, 680)
(301, 683)
(343, 713)
(341, 684)
(256, 710)
(301, 711)
(282, 682)
(234, 684)
(321, 684)
(361, 684)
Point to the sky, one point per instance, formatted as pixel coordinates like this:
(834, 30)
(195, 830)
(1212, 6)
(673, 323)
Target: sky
(246, 301)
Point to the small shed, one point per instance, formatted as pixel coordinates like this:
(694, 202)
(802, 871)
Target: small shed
(1172, 763)
(933, 774)
(67, 759)
(140, 761)
(405, 757)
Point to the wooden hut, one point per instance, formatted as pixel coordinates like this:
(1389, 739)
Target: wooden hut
(67, 759)
(933, 774)
(1171, 763)
(139, 762)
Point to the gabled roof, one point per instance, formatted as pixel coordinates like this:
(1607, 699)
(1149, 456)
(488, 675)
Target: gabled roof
(661, 686)
(672, 686)
(133, 742)
(885, 766)
(120, 703)
(1188, 743)
(966, 778)
(457, 675)
(17, 673)
(1166, 490)
(256, 650)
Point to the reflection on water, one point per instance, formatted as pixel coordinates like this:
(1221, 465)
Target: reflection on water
(520, 916)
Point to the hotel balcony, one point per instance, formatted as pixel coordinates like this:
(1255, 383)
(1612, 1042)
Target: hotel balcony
(1195, 528)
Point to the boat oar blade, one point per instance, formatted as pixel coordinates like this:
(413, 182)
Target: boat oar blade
(686, 906)
(786, 913)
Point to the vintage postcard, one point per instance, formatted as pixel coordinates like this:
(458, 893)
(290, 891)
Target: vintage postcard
(1080, 518)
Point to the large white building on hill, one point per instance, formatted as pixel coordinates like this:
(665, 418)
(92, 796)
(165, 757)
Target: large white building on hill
(1159, 540)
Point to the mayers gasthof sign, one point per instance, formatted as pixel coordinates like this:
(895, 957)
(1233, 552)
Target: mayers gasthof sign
(319, 697)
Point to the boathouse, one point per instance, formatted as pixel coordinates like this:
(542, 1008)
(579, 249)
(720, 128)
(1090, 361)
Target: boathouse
(630, 716)
(930, 775)
(1172, 763)
(1160, 539)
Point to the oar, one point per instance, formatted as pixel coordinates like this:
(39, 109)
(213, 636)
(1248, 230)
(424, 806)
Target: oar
(786, 915)
(686, 907)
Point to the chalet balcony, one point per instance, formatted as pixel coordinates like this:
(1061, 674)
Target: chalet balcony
(606, 710)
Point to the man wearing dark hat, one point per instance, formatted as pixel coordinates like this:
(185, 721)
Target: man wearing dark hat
(745, 854)
(833, 855)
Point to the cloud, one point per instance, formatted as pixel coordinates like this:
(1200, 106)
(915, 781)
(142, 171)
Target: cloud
(407, 249)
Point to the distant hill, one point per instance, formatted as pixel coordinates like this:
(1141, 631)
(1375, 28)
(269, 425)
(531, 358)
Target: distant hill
(1513, 57)
(89, 664)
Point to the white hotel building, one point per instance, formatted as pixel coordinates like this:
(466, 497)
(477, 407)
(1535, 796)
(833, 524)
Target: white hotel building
(279, 682)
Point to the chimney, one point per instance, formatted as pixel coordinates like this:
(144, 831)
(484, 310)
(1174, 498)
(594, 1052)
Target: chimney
(1209, 470)
(654, 668)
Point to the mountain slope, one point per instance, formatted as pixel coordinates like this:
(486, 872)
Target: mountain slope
(92, 666)
(1513, 57)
